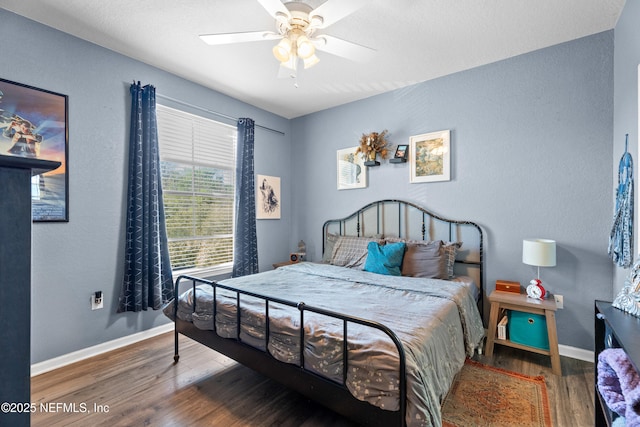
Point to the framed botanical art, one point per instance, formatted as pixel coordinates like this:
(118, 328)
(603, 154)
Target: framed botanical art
(430, 157)
(34, 124)
(268, 201)
(351, 169)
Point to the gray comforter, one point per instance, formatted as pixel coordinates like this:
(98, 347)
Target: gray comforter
(436, 320)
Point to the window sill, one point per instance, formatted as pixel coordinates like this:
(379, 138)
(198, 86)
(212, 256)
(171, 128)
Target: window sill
(205, 272)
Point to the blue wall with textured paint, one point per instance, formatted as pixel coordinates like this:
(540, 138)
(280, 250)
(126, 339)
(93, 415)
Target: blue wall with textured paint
(530, 157)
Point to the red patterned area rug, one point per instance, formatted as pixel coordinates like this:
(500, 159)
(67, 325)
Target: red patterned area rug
(482, 395)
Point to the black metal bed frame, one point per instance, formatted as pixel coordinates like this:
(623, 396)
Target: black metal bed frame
(327, 392)
(332, 394)
(426, 232)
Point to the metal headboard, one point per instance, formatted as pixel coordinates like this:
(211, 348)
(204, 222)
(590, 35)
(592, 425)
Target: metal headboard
(398, 218)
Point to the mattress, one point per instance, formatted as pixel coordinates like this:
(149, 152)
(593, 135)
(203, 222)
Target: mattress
(436, 320)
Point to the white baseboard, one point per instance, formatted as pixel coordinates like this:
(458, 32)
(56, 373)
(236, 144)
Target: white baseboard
(576, 353)
(76, 356)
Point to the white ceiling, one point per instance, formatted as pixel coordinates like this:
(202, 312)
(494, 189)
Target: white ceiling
(416, 40)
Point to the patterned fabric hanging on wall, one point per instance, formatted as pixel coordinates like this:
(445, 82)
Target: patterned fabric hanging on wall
(147, 271)
(245, 242)
(621, 238)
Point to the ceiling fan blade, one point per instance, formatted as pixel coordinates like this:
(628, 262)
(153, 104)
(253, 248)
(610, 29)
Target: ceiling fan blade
(343, 48)
(332, 11)
(275, 8)
(228, 38)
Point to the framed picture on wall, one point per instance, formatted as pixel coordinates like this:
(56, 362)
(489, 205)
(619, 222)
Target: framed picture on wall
(400, 156)
(401, 152)
(34, 124)
(268, 197)
(351, 169)
(430, 157)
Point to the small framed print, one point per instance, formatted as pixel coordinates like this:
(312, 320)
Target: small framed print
(351, 169)
(268, 197)
(430, 157)
(402, 150)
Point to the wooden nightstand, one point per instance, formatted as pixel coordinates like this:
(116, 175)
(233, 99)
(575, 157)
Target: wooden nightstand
(281, 264)
(520, 302)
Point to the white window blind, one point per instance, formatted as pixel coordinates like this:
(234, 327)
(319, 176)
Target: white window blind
(198, 173)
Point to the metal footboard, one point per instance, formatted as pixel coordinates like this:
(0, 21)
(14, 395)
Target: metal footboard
(302, 308)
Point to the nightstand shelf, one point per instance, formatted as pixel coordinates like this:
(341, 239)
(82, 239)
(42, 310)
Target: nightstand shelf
(520, 302)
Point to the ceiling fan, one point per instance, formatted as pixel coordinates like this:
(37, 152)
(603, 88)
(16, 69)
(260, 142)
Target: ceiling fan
(296, 25)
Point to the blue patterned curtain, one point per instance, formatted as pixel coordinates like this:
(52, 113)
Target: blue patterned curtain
(245, 242)
(147, 275)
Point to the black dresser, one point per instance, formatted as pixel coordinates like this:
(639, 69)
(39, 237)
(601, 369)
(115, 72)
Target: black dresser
(625, 333)
(15, 284)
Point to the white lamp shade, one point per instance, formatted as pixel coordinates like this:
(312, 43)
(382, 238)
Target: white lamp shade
(305, 48)
(282, 51)
(539, 252)
(291, 63)
(311, 61)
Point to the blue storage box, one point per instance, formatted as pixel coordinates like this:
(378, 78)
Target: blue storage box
(528, 329)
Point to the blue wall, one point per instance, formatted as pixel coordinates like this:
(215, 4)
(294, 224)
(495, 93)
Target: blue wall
(531, 157)
(72, 260)
(627, 60)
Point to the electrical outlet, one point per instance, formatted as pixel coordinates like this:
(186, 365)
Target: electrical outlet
(559, 301)
(96, 300)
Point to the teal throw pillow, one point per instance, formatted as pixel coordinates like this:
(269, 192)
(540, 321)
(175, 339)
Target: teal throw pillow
(385, 259)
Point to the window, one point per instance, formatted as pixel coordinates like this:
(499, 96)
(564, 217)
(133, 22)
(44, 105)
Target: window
(197, 157)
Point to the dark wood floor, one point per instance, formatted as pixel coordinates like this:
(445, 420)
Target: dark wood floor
(139, 385)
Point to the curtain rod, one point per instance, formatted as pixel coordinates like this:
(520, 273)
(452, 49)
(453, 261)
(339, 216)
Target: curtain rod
(235, 119)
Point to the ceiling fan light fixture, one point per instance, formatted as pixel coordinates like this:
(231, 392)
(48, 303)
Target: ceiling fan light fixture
(305, 48)
(316, 21)
(282, 51)
(291, 63)
(311, 61)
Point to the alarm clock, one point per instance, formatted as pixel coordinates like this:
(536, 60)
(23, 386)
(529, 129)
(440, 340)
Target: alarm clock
(536, 290)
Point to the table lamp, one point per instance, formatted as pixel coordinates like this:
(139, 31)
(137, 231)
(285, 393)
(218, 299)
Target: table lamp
(539, 253)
